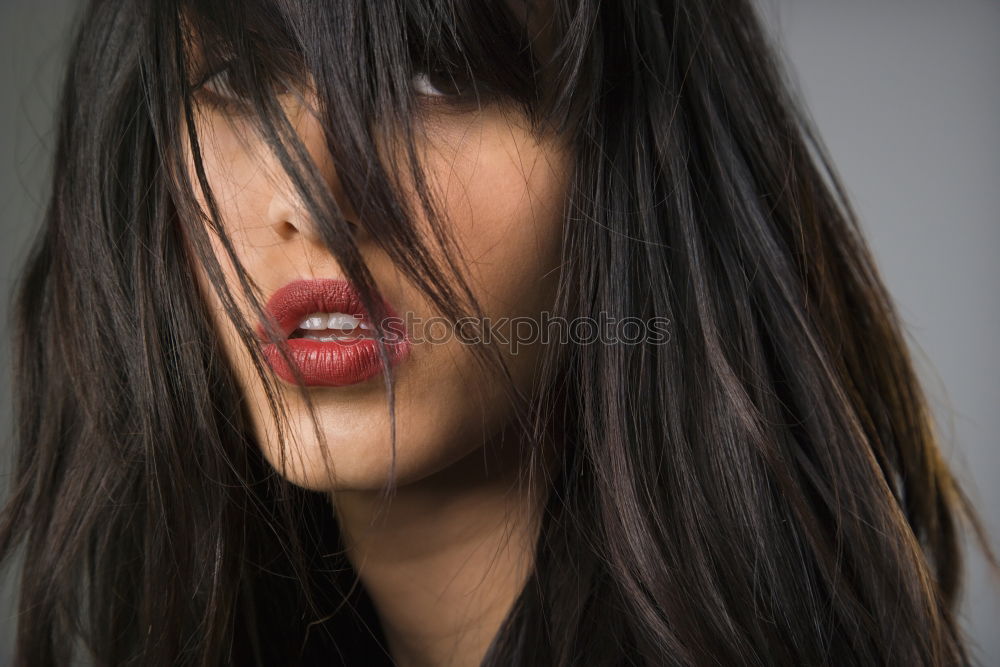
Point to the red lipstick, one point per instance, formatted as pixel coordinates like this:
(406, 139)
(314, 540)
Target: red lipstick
(345, 355)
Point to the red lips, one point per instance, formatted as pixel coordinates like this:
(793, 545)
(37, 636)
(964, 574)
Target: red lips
(335, 363)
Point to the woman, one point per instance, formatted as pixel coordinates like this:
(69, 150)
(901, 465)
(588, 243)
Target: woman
(433, 332)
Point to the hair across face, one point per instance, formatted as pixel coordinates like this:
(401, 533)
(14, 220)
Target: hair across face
(760, 486)
(502, 191)
(485, 194)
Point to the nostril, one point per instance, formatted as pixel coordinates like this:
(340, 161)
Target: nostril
(291, 227)
(287, 230)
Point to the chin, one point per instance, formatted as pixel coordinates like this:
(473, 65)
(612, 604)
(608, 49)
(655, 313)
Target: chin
(357, 454)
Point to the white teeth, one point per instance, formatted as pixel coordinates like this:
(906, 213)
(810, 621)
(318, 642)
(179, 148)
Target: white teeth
(321, 321)
(313, 322)
(341, 321)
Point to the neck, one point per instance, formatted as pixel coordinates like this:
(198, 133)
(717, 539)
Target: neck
(445, 558)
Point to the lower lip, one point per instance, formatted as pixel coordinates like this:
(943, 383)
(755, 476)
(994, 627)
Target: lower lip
(336, 363)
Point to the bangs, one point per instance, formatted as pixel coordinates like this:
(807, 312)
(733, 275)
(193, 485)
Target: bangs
(361, 56)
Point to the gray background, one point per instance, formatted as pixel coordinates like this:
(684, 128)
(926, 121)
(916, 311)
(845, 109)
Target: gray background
(906, 94)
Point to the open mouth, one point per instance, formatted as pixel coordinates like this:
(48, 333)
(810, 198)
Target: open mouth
(331, 327)
(331, 339)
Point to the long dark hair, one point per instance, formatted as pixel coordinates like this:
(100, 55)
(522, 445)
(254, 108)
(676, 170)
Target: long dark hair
(764, 489)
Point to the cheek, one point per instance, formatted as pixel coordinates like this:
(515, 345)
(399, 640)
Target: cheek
(242, 177)
(240, 190)
(505, 195)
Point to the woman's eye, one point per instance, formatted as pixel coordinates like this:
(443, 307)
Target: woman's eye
(215, 89)
(446, 85)
(218, 89)
(218, 84)
(424, 85)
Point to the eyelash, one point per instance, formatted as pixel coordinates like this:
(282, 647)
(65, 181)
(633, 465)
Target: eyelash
(202, 91)
(420, 82)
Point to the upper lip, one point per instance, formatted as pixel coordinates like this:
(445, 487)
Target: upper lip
(291, 304)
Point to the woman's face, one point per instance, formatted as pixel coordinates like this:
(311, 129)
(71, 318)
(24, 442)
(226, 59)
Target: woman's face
(503, 192)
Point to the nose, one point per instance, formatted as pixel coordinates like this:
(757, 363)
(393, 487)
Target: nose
(287, 214)
(290, 218)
